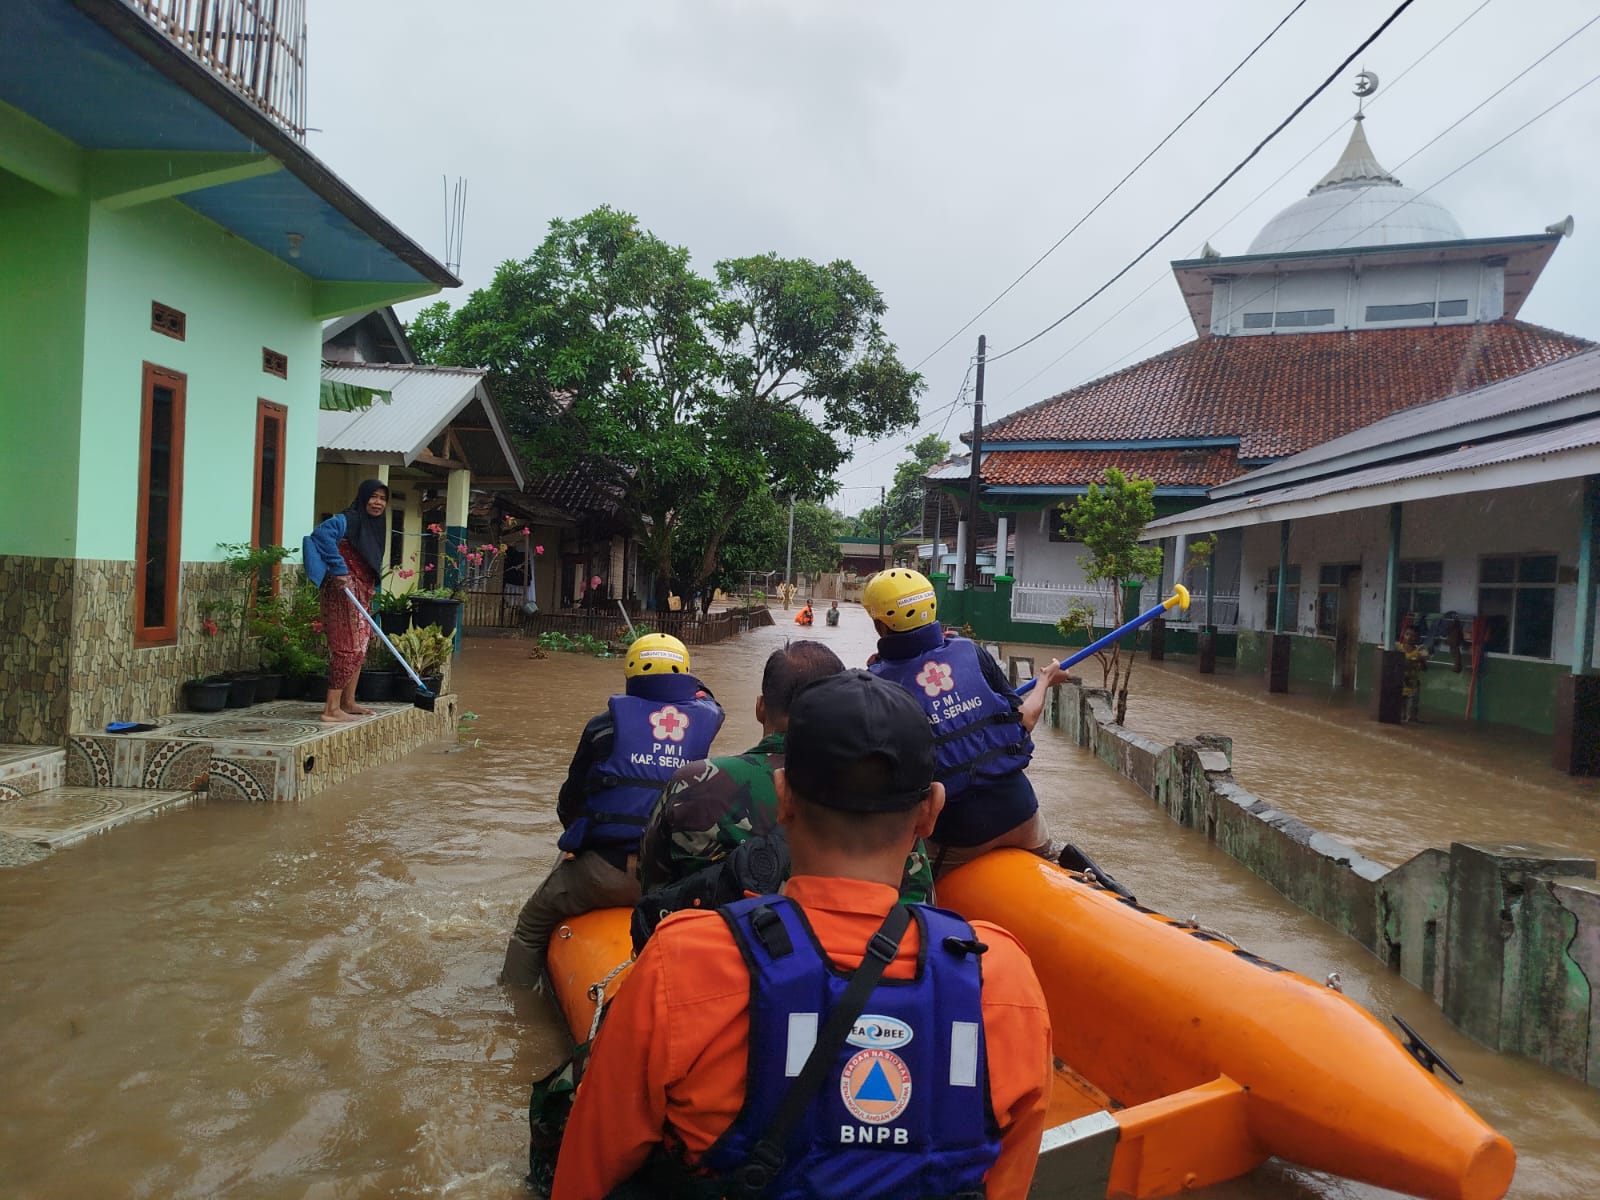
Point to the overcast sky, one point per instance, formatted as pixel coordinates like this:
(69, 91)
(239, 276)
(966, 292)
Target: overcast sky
(942, 147)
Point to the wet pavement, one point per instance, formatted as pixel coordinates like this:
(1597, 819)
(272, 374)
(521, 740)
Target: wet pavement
(298, 1001)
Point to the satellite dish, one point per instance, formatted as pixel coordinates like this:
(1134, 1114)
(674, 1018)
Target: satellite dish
(1562, 228)
(1366, 83)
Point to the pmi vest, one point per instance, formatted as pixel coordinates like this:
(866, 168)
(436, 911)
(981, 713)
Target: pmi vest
(905, 1111)
(977, 735)
(652, 739)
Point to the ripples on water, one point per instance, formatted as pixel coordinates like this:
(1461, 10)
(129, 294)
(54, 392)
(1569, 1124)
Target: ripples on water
(298, 1002)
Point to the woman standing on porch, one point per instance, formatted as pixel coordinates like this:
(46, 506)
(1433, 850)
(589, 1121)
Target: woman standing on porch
(347, 551)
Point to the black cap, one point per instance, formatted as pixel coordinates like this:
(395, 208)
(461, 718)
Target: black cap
(841, 720)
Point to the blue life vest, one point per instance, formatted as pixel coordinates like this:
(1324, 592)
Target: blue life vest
(659, 724)
(977, 735)
(905, 1111)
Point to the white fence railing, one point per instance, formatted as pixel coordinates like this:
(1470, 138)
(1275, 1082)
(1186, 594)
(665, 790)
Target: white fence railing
(1047, 603)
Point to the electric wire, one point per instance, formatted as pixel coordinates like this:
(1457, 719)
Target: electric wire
(1336, 211)
(1116, 187)
(1261, 145)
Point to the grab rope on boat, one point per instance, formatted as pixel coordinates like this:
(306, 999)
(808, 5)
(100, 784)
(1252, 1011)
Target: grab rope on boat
(597, 993)
(1193, 923)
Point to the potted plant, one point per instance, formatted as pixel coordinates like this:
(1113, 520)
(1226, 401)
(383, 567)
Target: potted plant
(205, 694)
(393, 610)
(254, 569)
(288, 629)
(378, 674)
(428, 649)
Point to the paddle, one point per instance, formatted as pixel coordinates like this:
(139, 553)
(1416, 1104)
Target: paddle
(1178, 599)
(423, 699)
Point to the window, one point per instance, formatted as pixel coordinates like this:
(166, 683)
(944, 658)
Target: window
(1415, 312)
(274, 363)
(1517, 596)
(157, 549)
(1258, 320)
(266, 526)
(1452, 308)
(1291, 598)
(1420, 588)
(1304, 316)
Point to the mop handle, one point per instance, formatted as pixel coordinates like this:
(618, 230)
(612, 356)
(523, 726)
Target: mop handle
(1178, 599)
(384, 638)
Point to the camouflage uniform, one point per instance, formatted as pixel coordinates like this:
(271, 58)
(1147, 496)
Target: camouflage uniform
(712, 806)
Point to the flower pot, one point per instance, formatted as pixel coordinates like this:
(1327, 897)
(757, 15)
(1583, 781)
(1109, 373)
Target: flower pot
(375, 685)
(241, 691)
(446, 614)
(434, 683)
(269, 686)
(205, 695)
(394, 622)
(315, 687)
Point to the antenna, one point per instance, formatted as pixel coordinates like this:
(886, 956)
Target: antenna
(455, 221)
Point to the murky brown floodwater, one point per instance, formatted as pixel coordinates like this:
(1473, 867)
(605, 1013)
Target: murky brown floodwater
(299, 1001)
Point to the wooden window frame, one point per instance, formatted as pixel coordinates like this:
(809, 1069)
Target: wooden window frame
(168, 321)
(265, 409)
(274, 363)
(178, 383)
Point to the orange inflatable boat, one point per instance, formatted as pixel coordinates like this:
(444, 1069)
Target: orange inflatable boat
(1182, 1060)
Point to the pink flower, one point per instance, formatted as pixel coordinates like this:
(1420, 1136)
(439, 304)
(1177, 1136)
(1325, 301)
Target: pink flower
(210, 627)
(526, 531)
(429, 567)
(462, 548)
(538, 549)
(436, 528)
(407, 574)
(316, 626)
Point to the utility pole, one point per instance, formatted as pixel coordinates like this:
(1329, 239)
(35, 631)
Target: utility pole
(788, 555)
(974, 482)
(883, 563)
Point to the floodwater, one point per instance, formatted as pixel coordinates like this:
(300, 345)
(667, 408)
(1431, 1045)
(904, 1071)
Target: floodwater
(298, 1002)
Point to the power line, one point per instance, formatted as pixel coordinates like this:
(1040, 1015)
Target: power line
(1261, 145)
(1118, 185)
(922, 419)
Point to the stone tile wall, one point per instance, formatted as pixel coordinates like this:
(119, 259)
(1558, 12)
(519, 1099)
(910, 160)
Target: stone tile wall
(35, 617)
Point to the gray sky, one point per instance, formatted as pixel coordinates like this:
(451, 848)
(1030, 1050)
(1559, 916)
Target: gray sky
(943, 147)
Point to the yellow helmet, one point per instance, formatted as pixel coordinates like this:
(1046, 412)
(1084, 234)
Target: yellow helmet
(902, 599)
(656, 654)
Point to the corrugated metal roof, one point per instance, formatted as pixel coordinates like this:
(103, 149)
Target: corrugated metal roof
(1539, 443)
(426, 399)
(1439, 423)
(957, 468)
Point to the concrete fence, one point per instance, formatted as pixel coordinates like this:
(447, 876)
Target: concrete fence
(1504, 937)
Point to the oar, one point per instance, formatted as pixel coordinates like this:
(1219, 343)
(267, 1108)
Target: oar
(424, 698)
(1178, 599)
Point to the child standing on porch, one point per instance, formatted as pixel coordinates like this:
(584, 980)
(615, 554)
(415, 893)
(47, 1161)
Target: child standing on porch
(347, 551)
(1416, 664)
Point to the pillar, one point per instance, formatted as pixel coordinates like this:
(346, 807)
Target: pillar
(458, 494)
(959, 583)
(1278, 651)
(1388, 703)
(1576, 748)
(1206, 647)
(1180, 556)
(1000, 550)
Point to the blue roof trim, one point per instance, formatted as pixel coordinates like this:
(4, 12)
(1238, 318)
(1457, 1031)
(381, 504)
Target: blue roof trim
(1197, 443)
(99, 74)
(993, 491)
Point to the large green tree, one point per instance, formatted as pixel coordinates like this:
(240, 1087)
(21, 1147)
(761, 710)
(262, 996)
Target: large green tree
(696, 395)
(902, 506)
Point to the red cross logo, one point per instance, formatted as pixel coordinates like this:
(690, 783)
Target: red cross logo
(935, 678)
(668, 724)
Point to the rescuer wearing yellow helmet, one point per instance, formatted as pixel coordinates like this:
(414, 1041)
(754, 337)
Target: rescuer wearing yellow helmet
(981, 726)
(662, 719)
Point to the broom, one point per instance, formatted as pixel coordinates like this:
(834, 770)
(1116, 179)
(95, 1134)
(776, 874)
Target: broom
(423, 699)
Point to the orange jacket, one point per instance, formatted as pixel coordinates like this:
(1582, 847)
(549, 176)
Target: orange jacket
(803, 617)
(673, 1049)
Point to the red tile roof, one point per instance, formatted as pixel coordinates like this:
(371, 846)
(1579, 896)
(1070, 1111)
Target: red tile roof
(1169, 468)
(1283, 393)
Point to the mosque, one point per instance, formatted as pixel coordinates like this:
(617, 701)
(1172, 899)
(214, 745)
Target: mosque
(1363, 300)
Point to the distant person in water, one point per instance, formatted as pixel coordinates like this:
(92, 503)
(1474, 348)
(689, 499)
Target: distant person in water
(347, 551)
(833, 613)
(805, 616)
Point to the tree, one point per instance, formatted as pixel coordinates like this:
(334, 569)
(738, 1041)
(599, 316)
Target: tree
(902, 506)
(608, 350)
(1108, 520)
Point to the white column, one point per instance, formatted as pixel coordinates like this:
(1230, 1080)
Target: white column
(1180, 556)
(1000, 550)
(960, 579)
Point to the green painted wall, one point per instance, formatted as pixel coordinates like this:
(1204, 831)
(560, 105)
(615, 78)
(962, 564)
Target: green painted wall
(43, 253)
(237, 300)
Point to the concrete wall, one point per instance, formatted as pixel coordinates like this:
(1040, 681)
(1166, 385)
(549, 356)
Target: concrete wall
(1505, 938)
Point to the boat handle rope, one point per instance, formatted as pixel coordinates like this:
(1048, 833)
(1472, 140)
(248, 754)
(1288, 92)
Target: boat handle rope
(597, 993)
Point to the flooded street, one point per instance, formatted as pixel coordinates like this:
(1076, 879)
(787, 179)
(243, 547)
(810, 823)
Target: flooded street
(299, 1001)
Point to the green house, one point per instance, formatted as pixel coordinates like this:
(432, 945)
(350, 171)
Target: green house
(169, 251)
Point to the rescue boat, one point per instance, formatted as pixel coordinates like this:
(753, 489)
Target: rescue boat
(1182, 1060)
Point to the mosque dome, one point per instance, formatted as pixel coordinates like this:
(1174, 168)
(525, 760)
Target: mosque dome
(1358, 203)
